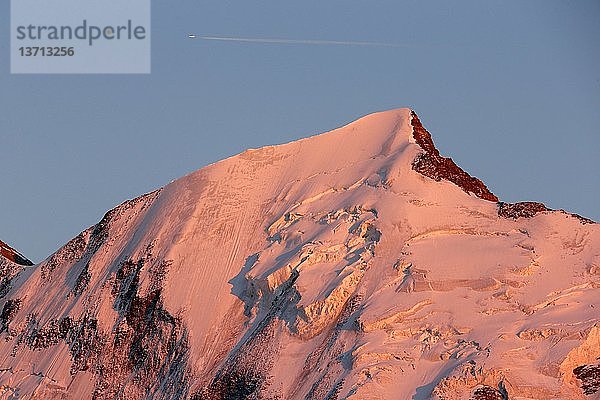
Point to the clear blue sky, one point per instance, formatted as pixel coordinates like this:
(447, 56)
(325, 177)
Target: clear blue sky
(509, 89)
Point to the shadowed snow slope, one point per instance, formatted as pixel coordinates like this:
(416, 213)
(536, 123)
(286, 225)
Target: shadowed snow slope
(356, 264)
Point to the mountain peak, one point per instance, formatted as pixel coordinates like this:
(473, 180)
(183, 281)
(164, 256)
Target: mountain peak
(330, 267)
(11, 254)
(433, 165)
(381, 133)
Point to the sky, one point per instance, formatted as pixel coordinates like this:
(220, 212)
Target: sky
(509, 89)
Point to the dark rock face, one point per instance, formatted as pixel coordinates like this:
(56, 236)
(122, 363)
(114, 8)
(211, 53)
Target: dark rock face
(10, 309)
(8, 272)
(583, 220)
(11, 254)
(50, 335)
(148, 343)
(524, 209)
(589, 375)
(528, 209)
(239, 384)
(70, 252)
(432, 165)
(83, 279)
(489, 393)
(145, 355)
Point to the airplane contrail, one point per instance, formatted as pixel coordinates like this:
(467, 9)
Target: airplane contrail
(294, 41)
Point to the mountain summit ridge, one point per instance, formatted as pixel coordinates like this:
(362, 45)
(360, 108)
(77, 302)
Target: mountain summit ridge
(433, 165)
(13, 255)
(355, 264)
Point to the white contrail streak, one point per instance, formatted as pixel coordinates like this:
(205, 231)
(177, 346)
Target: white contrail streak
(292, 41)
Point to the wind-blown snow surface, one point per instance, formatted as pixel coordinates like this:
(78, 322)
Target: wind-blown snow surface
(326, 268)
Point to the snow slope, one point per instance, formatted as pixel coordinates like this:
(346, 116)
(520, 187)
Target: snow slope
(356, 264)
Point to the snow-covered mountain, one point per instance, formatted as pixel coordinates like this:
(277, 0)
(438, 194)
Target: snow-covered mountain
(356, 264)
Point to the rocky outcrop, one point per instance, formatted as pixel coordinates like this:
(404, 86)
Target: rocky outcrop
(9, 310)
(12, 264)
(489, 393)
(524, 209)
(432, 165)
(589, 376)
(11, 254)
(580, 370)
(146, 353)
(8, 272)
(529, 209)
(472, 381)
